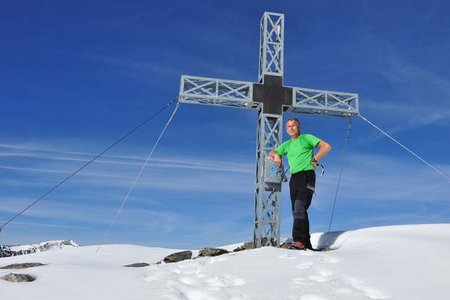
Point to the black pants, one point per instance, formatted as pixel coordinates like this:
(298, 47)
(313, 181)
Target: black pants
(301, 188)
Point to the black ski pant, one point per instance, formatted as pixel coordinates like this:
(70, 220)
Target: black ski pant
(301, 188)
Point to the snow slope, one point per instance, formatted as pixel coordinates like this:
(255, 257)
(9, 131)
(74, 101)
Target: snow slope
(397, 262)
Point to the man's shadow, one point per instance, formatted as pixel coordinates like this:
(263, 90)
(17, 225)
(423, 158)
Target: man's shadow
(327, 240)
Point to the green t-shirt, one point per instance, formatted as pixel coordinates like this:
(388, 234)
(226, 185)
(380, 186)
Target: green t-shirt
(299, 152)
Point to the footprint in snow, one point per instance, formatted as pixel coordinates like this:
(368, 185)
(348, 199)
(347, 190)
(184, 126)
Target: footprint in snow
(305, 265)
(369, 292)
(321, 276)
(329, 260)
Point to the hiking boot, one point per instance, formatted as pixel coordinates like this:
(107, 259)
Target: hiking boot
(297, 245)
(308, 245)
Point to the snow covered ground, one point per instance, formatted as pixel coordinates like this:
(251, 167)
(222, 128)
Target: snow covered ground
(396, 262)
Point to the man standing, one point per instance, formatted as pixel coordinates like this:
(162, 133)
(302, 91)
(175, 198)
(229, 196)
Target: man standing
(299, 150)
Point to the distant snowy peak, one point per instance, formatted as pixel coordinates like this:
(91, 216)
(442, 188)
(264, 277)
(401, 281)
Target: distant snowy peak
(7, 250)
(46, 246)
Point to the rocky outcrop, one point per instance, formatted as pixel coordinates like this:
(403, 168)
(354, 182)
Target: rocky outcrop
(22, 266)
(18, 277)
(212, 252)
(138, 265)
(245, 246)
(205, 252)
(5, 251)
(178, 256)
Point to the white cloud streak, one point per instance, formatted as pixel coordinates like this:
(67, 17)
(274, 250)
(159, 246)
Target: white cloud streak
(421, 95)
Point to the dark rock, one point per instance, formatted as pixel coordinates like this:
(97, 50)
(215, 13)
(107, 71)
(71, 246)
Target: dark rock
(22, 266)
(285, 245)
(5, 251)
(178, 256)
(266, 242)
(138, 265)
(212, 252)
(18, 277)
(245, 246)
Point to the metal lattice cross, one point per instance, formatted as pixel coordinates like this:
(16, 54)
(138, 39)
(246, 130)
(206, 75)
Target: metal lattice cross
(270, 98)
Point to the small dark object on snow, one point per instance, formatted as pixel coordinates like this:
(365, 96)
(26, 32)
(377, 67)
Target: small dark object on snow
(22, 266)
(245, 246)
(178, 256)
(18, 277)
(212, 252)
(137, 265)
(284, 245)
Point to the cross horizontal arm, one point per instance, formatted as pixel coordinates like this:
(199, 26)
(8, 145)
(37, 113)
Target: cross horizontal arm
(324, 102)
(214, 91)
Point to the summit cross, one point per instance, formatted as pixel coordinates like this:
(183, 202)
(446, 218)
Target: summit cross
(270, 98)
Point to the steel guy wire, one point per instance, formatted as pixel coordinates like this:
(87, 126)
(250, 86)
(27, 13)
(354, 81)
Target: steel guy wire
(137, 177)
(344, 156)
(406, 148)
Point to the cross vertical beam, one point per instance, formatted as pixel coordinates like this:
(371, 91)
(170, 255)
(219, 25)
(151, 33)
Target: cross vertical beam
(270, 98)
(271, 45)
(271, 93)
(267, 193)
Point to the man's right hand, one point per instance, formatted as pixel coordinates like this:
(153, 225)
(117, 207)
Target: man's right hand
(277, 161)
(276, 158)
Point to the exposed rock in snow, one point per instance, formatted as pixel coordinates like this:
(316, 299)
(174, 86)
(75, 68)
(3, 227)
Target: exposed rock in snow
(138, 265)
(212, 252)
(178, 256)
(22, 266)
(18, 277)
(245, 246)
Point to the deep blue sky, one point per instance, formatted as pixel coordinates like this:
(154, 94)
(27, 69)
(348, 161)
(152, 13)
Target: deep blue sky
(76, 75)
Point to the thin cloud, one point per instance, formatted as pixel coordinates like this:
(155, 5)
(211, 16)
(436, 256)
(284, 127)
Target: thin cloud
(367, 177)
(129, 160)
(418, 90)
